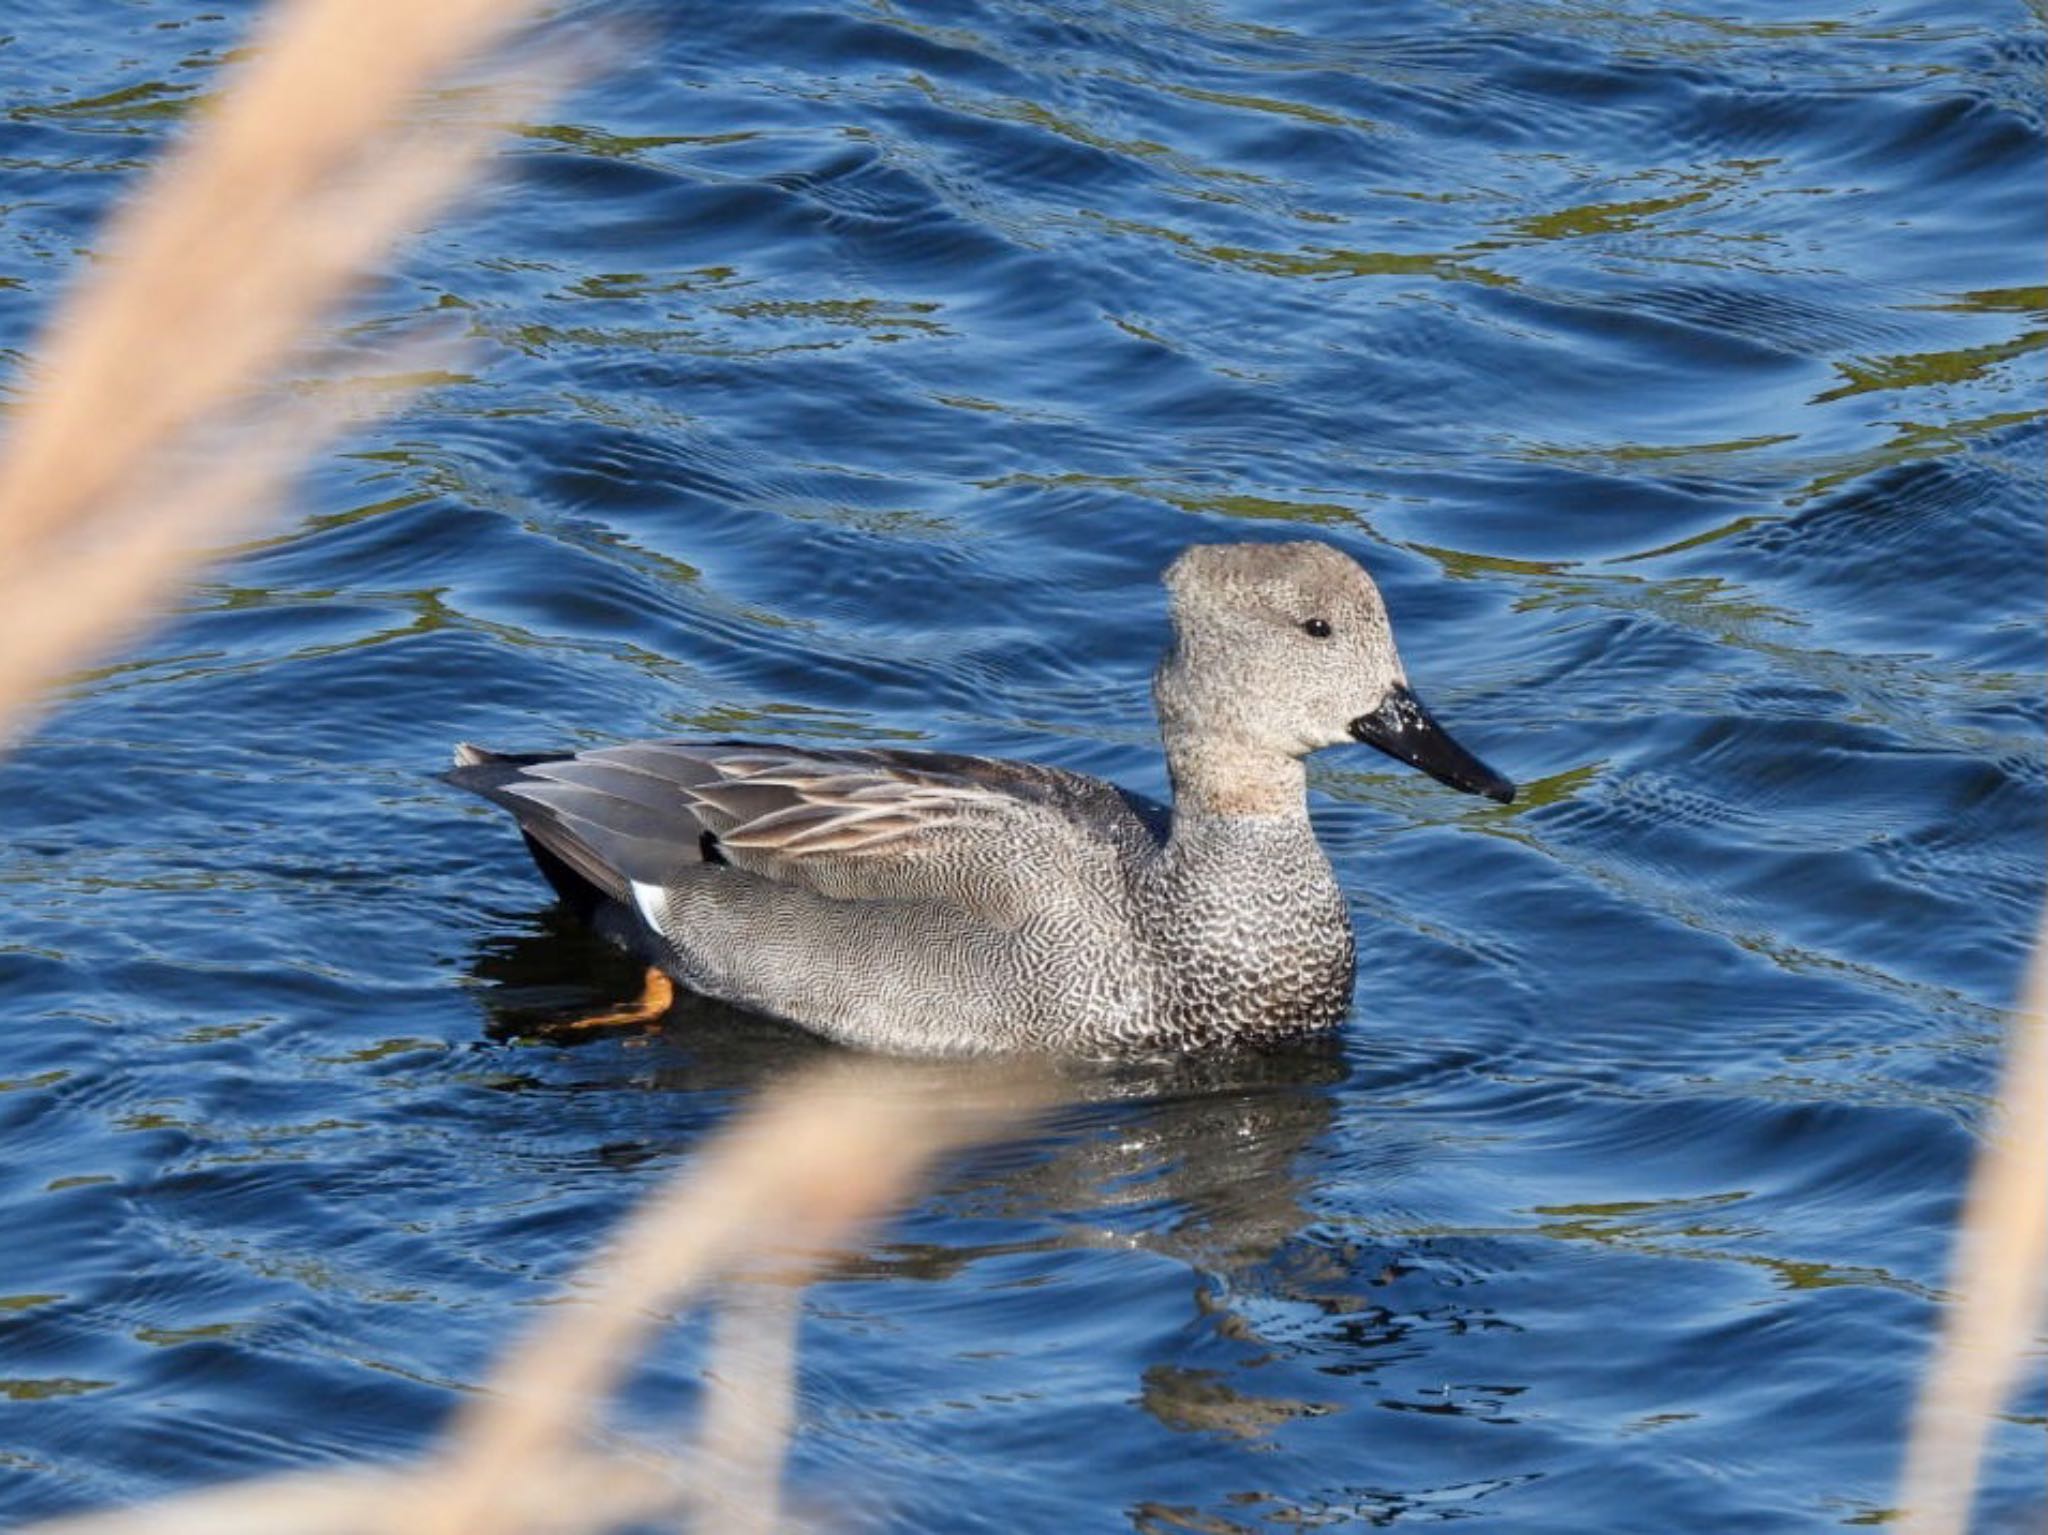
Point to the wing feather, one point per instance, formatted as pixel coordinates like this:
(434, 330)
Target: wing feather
(849, 823)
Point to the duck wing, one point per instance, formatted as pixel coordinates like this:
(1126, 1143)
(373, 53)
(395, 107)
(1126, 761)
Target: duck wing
(852, 824)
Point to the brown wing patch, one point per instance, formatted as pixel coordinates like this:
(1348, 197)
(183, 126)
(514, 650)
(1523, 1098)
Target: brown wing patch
(791, 805)
(847, 823)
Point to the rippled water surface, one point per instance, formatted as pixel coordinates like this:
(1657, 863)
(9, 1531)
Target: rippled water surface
(848, 373)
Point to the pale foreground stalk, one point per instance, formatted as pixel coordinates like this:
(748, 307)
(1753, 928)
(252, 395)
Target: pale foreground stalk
(812, 1163)
(1998, 1284)
(145, 435)
(817, 1159)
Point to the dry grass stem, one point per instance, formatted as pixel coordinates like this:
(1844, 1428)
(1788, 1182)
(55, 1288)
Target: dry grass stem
(1999, 1282)
(83, 586)
(801, 1173)
(812, 1163)
(279, 201)
(750, 1405)
(317, 1503)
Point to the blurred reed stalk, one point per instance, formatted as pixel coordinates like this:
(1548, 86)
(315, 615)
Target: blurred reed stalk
(1999, 1283)
(803, 1171)
(150, 426)
(810, 1165)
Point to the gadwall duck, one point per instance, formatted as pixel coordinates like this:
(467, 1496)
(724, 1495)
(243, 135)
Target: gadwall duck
(927, 903)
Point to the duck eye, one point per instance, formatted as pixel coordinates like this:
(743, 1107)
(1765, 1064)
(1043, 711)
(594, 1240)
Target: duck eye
(1319, 627)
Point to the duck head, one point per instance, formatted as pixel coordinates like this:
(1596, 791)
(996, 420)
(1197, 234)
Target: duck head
(1286, 648)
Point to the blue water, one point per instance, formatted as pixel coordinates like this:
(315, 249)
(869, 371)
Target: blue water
(848, 373)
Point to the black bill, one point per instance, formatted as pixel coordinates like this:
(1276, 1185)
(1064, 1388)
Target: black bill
(1402, 728)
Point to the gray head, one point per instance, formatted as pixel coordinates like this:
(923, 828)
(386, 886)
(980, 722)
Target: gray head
(1284, 649)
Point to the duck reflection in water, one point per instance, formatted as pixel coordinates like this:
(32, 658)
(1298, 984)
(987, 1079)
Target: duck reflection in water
(1208, 1162)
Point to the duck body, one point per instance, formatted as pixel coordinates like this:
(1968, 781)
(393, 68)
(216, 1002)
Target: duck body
(935, 904)
(927, 903)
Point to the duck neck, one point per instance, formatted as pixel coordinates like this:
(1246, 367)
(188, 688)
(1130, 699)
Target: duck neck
(1222, 780)
(1243, 908)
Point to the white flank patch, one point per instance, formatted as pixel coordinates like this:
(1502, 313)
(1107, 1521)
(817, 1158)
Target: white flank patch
(652, 901)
